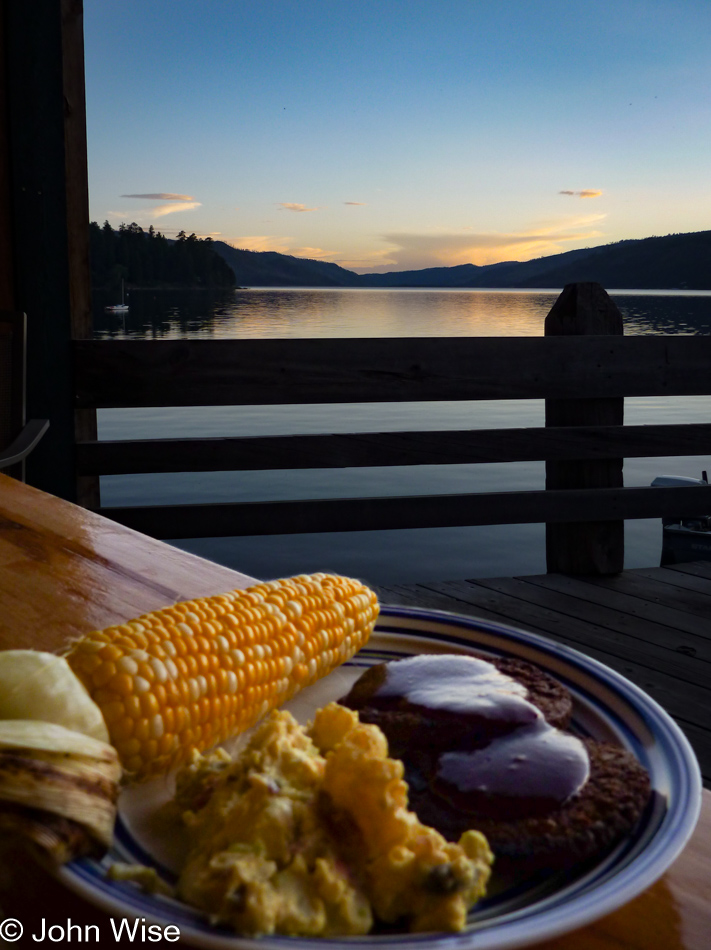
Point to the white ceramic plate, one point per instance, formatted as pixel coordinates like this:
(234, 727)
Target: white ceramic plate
(606, 706)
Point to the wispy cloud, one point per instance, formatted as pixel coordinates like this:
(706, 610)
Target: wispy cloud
(292, 206)
(161, 210)
(162, 196)
(411, 251)
(354, 203)
(261, 242)
(585, 193)
(282, 245)
(314, 253)
(173, 203)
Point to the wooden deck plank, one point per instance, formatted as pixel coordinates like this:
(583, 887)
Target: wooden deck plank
(666, 626)
(697, 568)
(684, 592)
(608, 629)
(679, 631)
(689, 582)
(647, 624)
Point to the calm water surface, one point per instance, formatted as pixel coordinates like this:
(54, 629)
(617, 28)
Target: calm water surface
(387, 556)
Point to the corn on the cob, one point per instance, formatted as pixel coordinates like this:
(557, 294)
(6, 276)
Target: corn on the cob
(192, 675)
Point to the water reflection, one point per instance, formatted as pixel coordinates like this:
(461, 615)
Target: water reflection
(346, 312)
(661, 313)
(391, 556)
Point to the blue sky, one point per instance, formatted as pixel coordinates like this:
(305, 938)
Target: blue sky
(401, 133)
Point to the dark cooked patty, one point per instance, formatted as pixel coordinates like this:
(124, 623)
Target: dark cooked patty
(411, 728)
(606, 809)
(545, 692)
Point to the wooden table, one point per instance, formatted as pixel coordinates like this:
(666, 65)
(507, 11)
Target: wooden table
(65, 571)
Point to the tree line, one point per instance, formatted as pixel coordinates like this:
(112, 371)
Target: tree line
(149, 259)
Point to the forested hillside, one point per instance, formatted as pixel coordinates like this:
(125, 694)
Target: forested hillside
(149, 259)
(671, 262)
(270, 269)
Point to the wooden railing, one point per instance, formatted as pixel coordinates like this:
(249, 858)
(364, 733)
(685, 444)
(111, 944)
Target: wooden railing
(583, 378)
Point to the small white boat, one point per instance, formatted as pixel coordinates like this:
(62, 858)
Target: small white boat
(689, 538)
(119, 307)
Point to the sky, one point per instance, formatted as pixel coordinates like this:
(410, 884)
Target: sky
(388, 135)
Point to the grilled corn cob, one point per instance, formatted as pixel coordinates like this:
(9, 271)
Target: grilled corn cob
(192, 675)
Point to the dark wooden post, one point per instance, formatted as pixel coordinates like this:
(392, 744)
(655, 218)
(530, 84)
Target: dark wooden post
(77, 191)
(584, 547)
(44, 217)
(7, 256)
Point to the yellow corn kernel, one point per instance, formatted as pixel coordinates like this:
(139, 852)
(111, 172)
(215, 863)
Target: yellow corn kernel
(197, 673)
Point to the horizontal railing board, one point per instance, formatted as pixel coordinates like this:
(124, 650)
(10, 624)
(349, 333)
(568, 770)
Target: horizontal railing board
(419, 511)
(125, 373)
(352, 450)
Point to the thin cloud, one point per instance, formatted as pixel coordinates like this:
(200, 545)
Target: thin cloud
(162, 196)
(354, 203)
(261, 242)
(162, 210)
(411, 251)
(314, 253)
(585, 193)
(292, 206)
(282, 245)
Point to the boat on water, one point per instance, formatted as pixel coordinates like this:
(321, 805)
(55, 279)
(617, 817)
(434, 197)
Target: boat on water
(684, 539)
(119, 307)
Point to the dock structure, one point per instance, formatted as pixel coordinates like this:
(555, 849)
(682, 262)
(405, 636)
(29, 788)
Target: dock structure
(649, 624)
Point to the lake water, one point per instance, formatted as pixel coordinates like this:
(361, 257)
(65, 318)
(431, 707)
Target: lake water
(387, 556)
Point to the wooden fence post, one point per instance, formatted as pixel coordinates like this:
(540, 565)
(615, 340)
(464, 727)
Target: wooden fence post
(44, 218)
(584, 547)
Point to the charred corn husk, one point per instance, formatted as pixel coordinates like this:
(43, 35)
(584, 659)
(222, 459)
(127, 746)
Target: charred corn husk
(197, 673)
(58, 788)
(59, 775)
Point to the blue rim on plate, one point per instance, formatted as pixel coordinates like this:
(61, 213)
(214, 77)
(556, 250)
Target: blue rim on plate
(606, 706)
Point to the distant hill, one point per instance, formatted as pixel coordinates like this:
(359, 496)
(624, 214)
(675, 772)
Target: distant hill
(673, 262)
(269, 269)
(427, 277)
